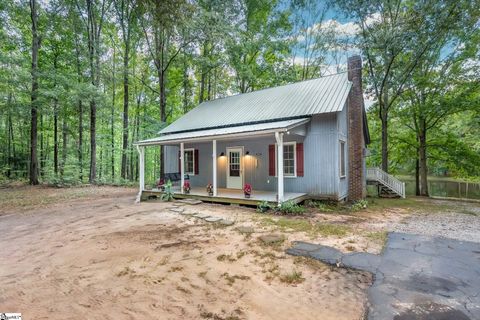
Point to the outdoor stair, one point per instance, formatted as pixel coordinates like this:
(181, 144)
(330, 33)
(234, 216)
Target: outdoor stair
(388, 185)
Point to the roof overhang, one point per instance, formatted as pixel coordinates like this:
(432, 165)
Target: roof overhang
(227, 133)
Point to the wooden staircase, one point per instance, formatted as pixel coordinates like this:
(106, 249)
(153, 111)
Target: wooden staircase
(388, 185)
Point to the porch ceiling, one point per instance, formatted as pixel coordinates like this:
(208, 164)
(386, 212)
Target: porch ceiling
(226, 133)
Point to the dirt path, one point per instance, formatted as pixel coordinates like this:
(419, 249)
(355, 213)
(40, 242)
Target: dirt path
(105, 257)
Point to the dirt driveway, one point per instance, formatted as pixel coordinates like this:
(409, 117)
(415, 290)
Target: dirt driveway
(99, 255)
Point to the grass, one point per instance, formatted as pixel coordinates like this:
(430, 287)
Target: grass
(379, 237)
(293, 277)
(226, 257)
(314, 229)
(231, 278)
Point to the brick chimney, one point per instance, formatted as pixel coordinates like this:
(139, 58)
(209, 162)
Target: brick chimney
(356, 139)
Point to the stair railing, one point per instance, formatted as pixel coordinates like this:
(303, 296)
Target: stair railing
(378, 175)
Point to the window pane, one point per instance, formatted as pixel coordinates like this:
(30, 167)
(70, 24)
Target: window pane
(289, 159)
(342, 158)
(188, 160)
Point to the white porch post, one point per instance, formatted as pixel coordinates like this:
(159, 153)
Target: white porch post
(182, 166)
(279, 138)
(141, 162)
(214, 166)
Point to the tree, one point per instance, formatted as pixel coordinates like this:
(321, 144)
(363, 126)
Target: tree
(394, 37)
(34, 94)
(126, 13)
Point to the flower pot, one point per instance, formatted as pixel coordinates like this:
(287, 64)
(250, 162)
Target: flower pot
(187, 191)
(210, 193)
(247, 195)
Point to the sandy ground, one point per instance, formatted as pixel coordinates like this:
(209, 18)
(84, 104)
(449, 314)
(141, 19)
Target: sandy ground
(99, 255)
(92, 252)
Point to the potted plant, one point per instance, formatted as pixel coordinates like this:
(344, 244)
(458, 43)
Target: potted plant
(186, 187)
(247, 190)
(210, 189)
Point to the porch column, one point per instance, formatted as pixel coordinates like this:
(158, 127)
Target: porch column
(182, 166)
(214, 167)
(279, 138)
(141, 162)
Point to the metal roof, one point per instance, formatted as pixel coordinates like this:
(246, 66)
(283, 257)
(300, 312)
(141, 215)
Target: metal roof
(225, 133)
(305, 98)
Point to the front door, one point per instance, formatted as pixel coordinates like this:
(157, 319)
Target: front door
(234, 168)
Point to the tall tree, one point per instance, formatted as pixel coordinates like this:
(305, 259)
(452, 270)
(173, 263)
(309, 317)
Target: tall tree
(394, 37)
(34, 94)
(95, 17)
(126, 13)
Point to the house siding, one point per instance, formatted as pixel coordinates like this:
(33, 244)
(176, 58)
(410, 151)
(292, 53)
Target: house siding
(342, 126)
(321, 164)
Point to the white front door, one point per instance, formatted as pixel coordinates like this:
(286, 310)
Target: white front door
(234, 168)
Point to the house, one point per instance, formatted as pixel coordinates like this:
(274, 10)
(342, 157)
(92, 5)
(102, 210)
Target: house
(301, 140)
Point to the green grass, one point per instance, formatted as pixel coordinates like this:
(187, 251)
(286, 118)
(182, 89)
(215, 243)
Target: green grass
(293, 277)
(314, 229)
(379, 237)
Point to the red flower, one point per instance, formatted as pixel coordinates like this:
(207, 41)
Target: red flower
(247, 188)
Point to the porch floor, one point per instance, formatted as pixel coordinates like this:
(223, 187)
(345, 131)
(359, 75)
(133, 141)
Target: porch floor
(234, 196)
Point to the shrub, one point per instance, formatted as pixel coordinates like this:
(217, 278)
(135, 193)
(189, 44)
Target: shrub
(167, 194)
(359, 205)
(264, 206)
(290, 208)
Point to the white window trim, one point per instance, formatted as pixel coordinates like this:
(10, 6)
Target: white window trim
(285, 175)
(193, 157)
(344, 158)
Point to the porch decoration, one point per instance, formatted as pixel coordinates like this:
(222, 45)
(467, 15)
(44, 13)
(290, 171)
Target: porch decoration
(247, 190)
(186, 187)
(210, 189)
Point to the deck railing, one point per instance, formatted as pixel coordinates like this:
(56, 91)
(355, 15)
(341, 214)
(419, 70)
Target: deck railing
(378, 175)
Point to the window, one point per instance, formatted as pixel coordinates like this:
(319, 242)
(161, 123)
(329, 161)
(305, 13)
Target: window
(189, 161)
(342, 159)
(289, 159)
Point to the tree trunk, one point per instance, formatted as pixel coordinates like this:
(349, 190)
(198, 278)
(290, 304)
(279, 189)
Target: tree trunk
(422, 152)
(55, 136)
(80, 139)
(384, 121)
(125, 111)
(417, 175)
(112, 119)
(64, 145)
(33, 127)
(163, 114)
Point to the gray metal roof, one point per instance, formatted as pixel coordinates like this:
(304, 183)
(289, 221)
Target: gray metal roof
(225, 133)
(305, 98)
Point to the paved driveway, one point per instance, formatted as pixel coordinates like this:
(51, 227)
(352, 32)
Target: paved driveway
(416, 277)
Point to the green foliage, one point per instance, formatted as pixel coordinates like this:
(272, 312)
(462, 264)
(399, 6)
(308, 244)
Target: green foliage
(168, 193)
(290, 208)
(264, 206)
(359, 205)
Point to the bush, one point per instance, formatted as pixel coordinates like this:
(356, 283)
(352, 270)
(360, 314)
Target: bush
(167, 194)
(290, 208)
(264, 206)
(359, 205)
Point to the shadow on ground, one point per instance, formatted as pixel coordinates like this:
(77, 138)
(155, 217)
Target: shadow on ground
(416, 277)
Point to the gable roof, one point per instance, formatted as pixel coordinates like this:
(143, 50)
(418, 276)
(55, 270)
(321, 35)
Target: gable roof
(291, 101)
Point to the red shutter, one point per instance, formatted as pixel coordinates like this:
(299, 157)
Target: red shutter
(195, 157)
(299, 159)
(271, 160)
(179, 163)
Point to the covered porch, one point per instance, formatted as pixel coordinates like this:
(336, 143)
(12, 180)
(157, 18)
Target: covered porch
(229, 158)
(224, 195)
